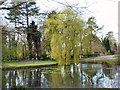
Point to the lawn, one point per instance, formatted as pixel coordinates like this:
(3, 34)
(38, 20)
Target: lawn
(26, 63)
(99, 61)
(21, 63)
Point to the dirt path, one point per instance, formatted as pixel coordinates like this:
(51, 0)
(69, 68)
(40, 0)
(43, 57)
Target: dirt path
(104, 57)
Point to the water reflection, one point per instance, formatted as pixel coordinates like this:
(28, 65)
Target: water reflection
(79, 76)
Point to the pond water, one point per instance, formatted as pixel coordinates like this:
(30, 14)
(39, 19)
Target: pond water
(73, 76)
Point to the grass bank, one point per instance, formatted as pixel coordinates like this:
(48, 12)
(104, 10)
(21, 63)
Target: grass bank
(23, 63)
(26, 63)
(99, 61)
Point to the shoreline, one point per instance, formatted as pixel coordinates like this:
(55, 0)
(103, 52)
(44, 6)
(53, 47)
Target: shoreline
(116, 63)
(48, 65)
(28, 67)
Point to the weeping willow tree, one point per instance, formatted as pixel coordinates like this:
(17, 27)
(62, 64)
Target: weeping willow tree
(64, 29)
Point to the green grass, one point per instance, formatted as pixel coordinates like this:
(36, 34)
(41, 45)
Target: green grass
(28, 63)
(108, 61)
(21, 63)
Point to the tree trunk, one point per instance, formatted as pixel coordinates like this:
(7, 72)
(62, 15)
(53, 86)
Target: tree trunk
(28, 35)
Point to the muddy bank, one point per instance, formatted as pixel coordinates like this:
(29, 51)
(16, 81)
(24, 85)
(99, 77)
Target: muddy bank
(29, 67)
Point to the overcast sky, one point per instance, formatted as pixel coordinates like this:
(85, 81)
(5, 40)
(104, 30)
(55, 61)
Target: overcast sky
(105, 11)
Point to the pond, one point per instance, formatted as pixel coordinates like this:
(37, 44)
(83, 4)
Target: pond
(73, 76)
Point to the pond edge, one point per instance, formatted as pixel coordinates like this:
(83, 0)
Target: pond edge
(29, 67)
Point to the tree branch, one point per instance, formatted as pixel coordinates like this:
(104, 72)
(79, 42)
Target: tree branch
(1, 2)
(8, 8)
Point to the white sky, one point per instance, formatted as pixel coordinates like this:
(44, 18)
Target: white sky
(105, 11)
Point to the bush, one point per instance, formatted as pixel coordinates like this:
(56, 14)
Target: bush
(43, 56)
(89, 55)
(92, 55)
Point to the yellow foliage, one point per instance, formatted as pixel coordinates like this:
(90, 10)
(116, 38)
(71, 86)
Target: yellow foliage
(19, 54)
(47, 52)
